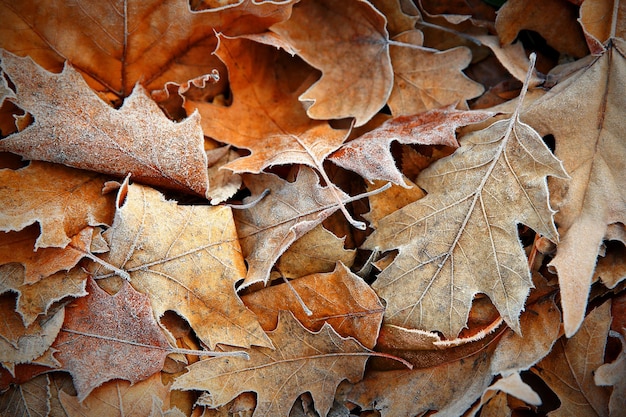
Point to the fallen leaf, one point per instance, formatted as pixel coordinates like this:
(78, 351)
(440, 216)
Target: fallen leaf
(20, 344)
(35, 299)
(512, 57)
(138, 138)
(339, 298)
(589, 141)
(462, 238)
(118, 45)
(514, 385)
(370, 156)
(108, 337)
(302, 361)
(401, 15)
(426, 79)
(62, 200)
(186, 259)
(568, 369)
(272, 224)
(602, 20)
(119, 398)
(612, 374)
(317, 251)
(31, 398)
(350, 46)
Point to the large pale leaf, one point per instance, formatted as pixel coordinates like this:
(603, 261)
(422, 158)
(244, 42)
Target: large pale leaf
(302, 361)
(186, 259)
(136, 139)
(589, 136)
(461, 239)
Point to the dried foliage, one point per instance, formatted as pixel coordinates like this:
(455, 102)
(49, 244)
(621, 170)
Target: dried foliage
(313, 207)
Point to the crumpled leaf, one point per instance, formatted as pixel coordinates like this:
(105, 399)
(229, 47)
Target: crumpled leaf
(350, 46)
(426, 79)
(461, 238)
(568, 369)
(339, 298)
(35, 299)
(138, 138)
(370, 156)
(589, 138)
(31, 398)
(118, 45)
(118, 398)
(185, 259)
(265, 115)
(108, 337)
(272, 224)
(303, 361)
(62, 200)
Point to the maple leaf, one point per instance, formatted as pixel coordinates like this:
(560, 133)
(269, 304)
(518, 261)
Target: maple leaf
(589, 140)
(370, 156)
(62, 200)
(568, 369)
(189, 251)
(136, 139)
(461, 238)
(339, 298)
(118, 45)
(302, 361)
(349, 33)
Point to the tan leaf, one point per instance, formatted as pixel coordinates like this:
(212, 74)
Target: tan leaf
(562, 33)
(118, 398)
(589, 138)
(369, 155)
(62, 200)
(317, 251)
(568, 369)
(118, 45)
(602, 20)
(512, 57)
(349, 44)
(461, 239)
(35, 299)
(401, 15)
(426, 79)
(136, 139)
(32, 398)
(271, 225)
(186, 259)
(339, 298)
(303, 361)
(265, 115)
(612, 374)
(514, 385)
(20, 344)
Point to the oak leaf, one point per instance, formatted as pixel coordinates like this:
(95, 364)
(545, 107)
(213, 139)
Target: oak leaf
(302, 361)
(589, 138)
(186, 259)
(461, 239)
(106, 337)
(290, 210)
(339, 298)
(568, 369)
(62, 200)
(118, 45)
(370, 156)
(138, 138)
(350, 45)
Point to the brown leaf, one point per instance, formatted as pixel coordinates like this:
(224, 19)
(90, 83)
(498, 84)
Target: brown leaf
(62, 200)
(106, 337)
(589, 140)
(303, 361)
(568, 369)
(348, 42)
(32, 398)
(339, 298)
(35, 299)
(426, 79)
(265, 115)
(185, 259)
(136, 139)
(602, 20)
(317, 251)
(117, 46)
(612, 374)
(461, 238)
(370, 155)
